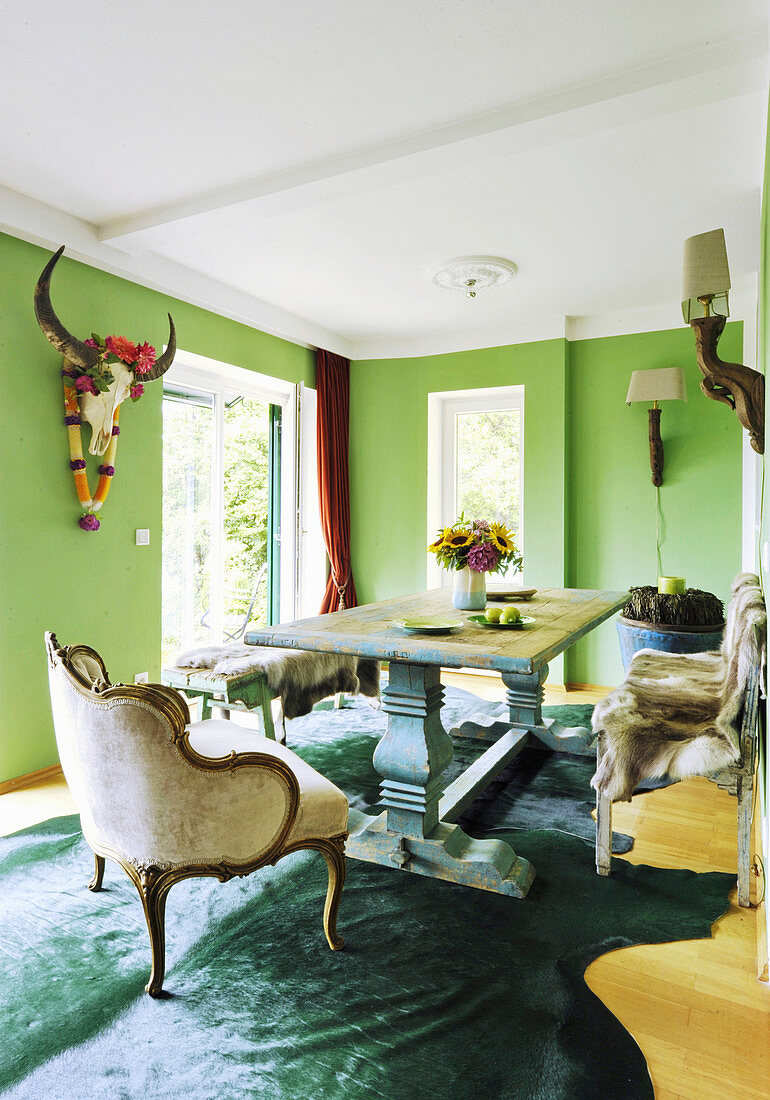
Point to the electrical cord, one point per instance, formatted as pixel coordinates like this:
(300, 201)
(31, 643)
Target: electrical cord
(658, 519)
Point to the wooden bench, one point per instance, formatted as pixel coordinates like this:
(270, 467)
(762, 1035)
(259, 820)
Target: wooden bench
(275, 684)
(245, 692)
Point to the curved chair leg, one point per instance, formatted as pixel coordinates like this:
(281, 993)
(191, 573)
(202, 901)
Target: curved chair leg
(334, 853)
(153, 887)
(96, 881)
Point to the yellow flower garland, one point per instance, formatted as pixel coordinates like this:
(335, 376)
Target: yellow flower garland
(74, 431)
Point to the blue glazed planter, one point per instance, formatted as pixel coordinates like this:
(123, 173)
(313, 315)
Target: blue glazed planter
(634, 636)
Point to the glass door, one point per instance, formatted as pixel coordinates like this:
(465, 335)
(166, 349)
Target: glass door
(221, 516)
(188, 448)
(251, 515)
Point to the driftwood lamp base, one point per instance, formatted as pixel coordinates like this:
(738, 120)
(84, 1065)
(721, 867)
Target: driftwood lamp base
(742, 388)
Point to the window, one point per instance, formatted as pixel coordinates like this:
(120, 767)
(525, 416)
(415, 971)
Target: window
(475, 461)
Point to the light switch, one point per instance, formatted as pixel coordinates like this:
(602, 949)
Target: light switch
(143, 537)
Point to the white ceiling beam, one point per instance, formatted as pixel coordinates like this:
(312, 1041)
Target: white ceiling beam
(719, 72)
(44, 225)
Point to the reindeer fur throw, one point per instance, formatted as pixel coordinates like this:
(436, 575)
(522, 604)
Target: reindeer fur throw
(300, 677)
(680, 714)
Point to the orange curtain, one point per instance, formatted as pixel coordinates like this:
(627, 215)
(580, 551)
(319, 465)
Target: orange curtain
(333, 385)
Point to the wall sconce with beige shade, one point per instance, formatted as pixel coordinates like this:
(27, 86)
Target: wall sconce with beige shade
(706, 284)
(665, 384)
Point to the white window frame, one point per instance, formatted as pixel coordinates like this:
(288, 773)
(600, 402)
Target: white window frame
(311, 563)
(442, 453)
(198, 372)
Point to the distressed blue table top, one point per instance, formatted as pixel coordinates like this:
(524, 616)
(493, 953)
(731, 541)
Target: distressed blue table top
(562, 615)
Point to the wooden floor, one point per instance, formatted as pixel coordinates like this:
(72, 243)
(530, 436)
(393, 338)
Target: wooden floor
(696, 1008)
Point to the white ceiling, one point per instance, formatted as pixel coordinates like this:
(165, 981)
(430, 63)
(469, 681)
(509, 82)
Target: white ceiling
(301, 166)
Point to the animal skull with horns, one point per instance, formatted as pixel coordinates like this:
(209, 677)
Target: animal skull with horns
(96, 409)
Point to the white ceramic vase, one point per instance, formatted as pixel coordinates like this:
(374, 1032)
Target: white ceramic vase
(470, 590)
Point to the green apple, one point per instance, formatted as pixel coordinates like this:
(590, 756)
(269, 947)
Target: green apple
(510, 615)
(492, 614)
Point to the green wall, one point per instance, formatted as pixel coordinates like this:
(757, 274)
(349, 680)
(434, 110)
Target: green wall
(98, 588)
(611, 496)
(389, 455)
(589, 505)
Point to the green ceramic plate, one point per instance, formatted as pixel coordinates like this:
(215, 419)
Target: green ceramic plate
(525, 620)
(429, 625)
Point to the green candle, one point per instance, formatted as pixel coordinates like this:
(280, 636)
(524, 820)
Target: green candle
(671, 586)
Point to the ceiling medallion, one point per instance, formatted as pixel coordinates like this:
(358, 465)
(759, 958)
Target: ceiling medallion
(472, 273)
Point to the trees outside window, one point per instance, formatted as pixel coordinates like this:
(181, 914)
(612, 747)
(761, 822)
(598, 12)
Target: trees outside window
(216, 516)
(488, 469)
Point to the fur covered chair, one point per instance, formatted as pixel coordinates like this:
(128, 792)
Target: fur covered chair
(168, 800)
(687, 714)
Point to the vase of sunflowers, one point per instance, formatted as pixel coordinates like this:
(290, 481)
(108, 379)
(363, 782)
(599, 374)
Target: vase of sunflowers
(473, 548)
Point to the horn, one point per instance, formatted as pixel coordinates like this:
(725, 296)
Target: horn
(164, 361)
(73, 350)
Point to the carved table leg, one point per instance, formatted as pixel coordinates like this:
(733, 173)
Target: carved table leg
(523, 710)
(415, 750)
(410, 758)
(524, 697)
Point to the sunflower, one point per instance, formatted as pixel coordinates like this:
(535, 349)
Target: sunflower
(500, 529)
(502, 538)
(457, 540)
(436, 546)
(505, 545)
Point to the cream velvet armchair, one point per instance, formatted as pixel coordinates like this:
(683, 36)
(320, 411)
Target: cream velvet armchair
(168, 800)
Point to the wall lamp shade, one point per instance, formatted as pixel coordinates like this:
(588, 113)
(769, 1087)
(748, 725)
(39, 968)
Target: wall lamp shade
(706, 284)
(665, 384)
(705, 276)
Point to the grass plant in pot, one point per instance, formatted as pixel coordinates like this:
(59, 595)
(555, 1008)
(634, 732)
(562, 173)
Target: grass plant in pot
(688, 622)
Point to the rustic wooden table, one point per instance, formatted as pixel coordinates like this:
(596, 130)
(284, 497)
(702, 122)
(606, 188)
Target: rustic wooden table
(417, 830)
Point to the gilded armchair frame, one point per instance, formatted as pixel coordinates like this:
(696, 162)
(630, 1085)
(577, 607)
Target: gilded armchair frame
(153, 881)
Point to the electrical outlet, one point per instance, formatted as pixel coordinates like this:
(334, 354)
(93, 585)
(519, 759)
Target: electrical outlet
(142, 536)
(142, 678)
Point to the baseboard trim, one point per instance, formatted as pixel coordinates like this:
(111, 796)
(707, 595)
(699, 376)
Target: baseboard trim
(570, 686)
(30, 779)
(488, 674)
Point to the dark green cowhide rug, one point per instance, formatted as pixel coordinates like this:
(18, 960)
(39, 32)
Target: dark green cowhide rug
(442, 991)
